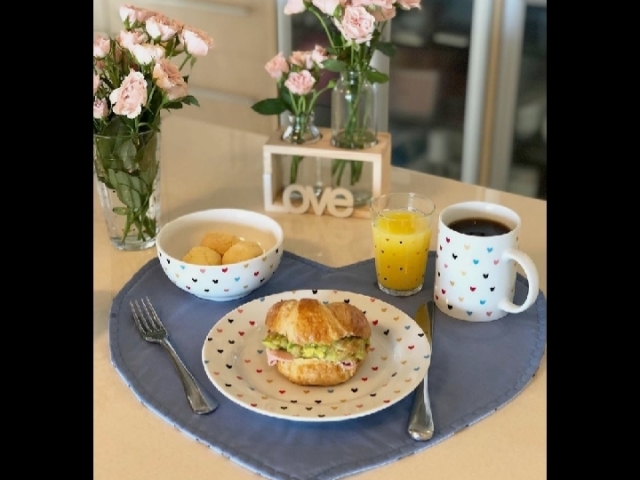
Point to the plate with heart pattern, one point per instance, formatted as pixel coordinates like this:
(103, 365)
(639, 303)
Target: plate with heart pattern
(235, 361)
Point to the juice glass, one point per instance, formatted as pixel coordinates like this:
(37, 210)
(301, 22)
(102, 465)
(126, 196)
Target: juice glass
(401, 224)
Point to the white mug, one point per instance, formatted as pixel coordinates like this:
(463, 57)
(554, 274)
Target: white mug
(476, 259)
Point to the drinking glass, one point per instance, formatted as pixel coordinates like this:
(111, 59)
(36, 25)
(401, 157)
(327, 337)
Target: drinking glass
(401, 225)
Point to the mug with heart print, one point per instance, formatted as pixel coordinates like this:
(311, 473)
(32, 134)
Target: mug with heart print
(476, 258)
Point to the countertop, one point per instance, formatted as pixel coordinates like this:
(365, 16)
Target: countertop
(205, 166)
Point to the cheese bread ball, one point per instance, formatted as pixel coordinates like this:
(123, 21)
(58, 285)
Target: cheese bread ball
(202, 256)
(219, 241)
(241, 251)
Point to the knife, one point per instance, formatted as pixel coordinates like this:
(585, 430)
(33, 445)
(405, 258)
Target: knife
(421, 419)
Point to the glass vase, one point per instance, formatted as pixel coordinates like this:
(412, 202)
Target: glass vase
(354, 116)
(356, 176)
(354, 125)
(301, 129)
(127, 175)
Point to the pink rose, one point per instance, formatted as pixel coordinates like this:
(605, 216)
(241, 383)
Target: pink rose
(129, 39)
(196, 42)
(372, 3)
(131, 96)
(162, 27)
(301, 59)
(130, 14)
(383, 14)
(277, 66)
(294, 6)
(319, 55)
(309, 59)
(328, 6)
(357, 24)
(100, 108)
(147, 53)
(101, 47)
(96, 83)
(168, 78)
(300, 83)
(409, 4)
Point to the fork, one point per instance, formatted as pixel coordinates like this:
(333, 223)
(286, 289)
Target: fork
(152, 330)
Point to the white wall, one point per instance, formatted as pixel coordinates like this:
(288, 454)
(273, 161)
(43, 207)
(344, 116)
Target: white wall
(100, 16)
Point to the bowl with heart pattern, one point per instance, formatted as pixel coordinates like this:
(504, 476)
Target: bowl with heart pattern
(223, 281)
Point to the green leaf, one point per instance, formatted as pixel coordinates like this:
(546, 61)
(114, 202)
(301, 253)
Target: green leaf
(147, 161)
(375, 76)
(334, 65)
(332, 51)
(285, 97)
(269, 106)
(116, 128)
(131, 191)
(190, 100)
(120, 210)
(388, 48)
(125, 151)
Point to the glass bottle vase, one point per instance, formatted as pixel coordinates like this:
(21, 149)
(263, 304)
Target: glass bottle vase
(301, 129)
(354, 115)
(354, 125)
(127, 176)
(356, 176)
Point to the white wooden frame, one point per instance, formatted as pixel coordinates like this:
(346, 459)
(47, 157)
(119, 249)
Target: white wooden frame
(273, 186)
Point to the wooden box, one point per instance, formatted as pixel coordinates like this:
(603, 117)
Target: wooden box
(273, 178)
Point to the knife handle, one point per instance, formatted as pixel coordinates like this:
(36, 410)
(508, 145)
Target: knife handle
(421, 419)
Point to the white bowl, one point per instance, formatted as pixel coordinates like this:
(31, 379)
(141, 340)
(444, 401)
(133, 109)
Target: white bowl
(220, 282)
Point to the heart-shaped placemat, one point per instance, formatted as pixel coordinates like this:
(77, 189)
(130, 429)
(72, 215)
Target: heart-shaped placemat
(476, 368)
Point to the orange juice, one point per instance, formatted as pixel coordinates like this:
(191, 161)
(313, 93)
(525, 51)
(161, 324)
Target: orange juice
(401, 240)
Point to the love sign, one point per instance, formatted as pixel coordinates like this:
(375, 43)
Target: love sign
(338, 201)
(280, 196)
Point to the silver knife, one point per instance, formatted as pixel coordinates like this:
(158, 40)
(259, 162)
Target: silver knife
(421, 419)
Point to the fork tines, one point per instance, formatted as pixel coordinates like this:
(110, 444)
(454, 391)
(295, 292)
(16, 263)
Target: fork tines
(148, 322)
(135, 315)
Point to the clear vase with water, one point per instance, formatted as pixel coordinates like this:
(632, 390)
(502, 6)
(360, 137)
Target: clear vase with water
(354, 114)
(303, 170)
(127, 176)
(354, 125)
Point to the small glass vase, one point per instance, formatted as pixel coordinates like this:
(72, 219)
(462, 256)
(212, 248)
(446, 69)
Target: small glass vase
(354, 115)
(354, 125)
(356, 176)
(301, 129)
(127, 175)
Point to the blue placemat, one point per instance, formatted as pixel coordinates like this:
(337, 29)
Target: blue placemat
(476, 368)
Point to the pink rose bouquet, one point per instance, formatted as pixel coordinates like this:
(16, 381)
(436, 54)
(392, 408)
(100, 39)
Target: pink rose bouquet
(134, 79)
(298, 78)
(354, 30)
(133, 76)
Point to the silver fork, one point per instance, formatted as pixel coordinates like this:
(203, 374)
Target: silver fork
(152, 330)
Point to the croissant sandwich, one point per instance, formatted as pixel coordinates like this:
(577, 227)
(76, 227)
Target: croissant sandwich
(316, 344)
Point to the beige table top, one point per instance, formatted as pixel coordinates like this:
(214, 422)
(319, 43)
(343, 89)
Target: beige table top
(204, 167)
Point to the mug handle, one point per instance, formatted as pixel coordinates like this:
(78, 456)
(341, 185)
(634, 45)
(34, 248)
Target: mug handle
(531, 272)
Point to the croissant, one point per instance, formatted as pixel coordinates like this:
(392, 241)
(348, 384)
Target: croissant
(311, 343)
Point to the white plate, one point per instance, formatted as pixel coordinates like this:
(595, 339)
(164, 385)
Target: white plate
(235, 361)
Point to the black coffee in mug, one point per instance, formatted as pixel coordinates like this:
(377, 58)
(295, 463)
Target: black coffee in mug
(479, 227)
(476, 262)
